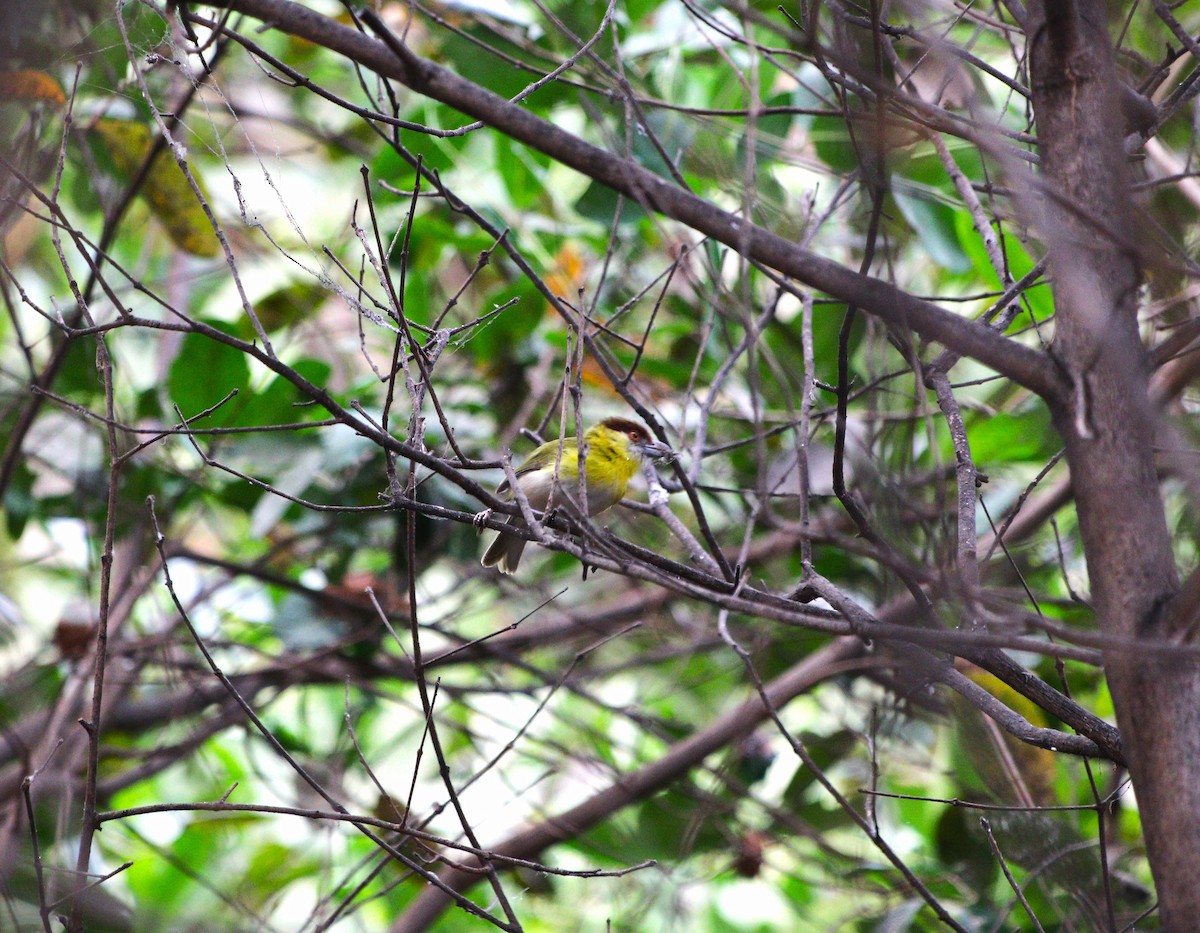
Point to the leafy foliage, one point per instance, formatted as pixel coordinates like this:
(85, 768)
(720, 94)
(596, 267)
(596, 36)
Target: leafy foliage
(312, 420)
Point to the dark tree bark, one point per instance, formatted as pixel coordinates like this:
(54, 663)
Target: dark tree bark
(1095, 381)
(1108, 424)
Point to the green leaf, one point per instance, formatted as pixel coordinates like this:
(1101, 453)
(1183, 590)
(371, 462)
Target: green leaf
(165, 189)
(958, 839)
(599, 203)
(936, 227)
(204, 372)
(503, 334)
(523, 173)
(78, 375)
(833, 143)
(824, 751)
(281, 402)
(274, 866)
(1039, 299)
(1005, 438)
(19, 503)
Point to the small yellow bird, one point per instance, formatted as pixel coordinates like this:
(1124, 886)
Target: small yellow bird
(615, 450)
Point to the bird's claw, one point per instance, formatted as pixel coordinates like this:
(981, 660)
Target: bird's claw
(480, 520)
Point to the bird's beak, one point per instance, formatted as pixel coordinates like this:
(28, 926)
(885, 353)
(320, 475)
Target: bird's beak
(657, 450)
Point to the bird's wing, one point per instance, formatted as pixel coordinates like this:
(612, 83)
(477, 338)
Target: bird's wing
(543, 456)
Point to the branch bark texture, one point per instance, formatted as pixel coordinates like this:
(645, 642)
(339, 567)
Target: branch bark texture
(1022, 364)
(1109, 428)
(682, 758)
(1096, 384)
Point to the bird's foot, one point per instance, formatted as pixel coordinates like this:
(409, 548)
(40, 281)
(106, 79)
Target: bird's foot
(480, 520)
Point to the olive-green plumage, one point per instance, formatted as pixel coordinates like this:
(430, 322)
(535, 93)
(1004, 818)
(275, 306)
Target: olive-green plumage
(615, 449)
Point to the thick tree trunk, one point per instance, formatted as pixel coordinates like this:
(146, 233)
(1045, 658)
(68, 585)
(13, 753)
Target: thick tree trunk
(1108, 423)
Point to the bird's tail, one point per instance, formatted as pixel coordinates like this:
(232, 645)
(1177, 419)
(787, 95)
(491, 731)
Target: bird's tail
(504, 553)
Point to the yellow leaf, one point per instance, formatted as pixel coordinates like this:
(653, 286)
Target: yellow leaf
(567, 276)
(28, 84)
(166, 189)
(1014, 771)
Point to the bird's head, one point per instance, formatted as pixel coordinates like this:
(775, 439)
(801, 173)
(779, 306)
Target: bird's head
(630, 436)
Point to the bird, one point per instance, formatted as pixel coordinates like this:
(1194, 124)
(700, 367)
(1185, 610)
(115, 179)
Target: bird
(615, 447)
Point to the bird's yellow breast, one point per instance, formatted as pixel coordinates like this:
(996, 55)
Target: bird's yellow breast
(610, 466)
